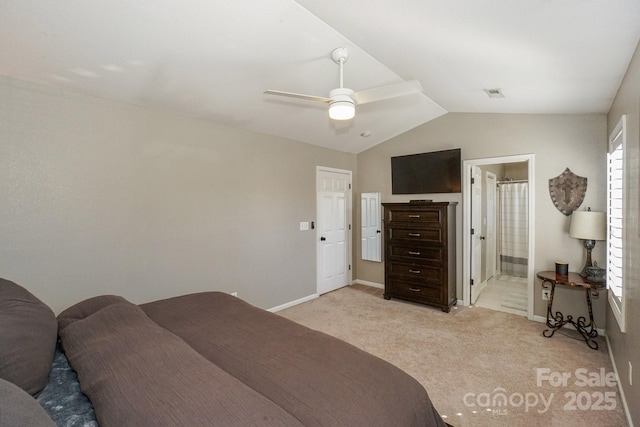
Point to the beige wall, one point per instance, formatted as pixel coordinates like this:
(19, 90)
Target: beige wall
(625, 347)
(557, 141)
(100, 197)
(516, 171)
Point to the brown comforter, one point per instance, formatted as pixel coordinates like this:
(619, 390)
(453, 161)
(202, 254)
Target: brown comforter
(210, 359)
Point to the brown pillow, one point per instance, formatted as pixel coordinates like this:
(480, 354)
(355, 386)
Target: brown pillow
(86, 308)
(18, 409)
(28, 332)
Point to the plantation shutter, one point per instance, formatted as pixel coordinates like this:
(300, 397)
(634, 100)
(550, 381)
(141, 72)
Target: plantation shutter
(615, 221)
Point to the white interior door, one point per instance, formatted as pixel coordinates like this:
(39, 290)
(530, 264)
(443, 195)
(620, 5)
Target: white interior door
(476, 231)
(371, 232)
(490, 246)
(333, 229)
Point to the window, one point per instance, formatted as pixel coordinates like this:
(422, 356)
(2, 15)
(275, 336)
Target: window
(615, 222)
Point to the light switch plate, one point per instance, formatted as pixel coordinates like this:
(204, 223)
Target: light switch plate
(304, 226)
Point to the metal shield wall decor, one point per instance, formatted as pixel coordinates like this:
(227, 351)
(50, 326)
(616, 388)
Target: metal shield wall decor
(567, 191)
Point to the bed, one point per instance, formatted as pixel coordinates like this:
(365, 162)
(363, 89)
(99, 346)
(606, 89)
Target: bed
(206, 359)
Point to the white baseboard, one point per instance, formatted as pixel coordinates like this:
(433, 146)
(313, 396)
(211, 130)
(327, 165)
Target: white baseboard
(314, 296)
(541, 319)
(367, 283)
(623, 399)
(293, 303)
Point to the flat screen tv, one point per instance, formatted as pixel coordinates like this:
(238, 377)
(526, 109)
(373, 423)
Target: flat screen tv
(435, 172)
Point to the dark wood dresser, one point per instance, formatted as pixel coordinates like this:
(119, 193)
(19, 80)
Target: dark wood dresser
(420, 252)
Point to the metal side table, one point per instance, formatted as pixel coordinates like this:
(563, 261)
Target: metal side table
(558, 320)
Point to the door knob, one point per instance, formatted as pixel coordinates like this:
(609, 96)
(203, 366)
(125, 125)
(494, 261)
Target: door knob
(322, 239)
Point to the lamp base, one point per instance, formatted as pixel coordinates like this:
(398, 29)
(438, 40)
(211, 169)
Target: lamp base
(588, 245)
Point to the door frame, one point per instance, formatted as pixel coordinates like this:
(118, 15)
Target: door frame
(349, 203)
(466, 223)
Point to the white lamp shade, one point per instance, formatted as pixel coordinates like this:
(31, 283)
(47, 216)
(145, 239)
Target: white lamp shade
(588, 225)
(342, 110)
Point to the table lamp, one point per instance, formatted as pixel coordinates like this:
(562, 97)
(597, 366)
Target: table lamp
(589, 226)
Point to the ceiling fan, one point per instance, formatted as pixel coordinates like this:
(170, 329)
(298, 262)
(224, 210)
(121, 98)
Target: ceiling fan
(342, 101)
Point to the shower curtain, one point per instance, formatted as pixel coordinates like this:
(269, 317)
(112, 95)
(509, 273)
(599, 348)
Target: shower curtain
(514, 217)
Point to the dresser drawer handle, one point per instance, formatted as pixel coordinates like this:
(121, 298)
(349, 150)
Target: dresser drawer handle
(414, 289)
(415, 271)
(414, 234)
(414, 253)
(414, 216)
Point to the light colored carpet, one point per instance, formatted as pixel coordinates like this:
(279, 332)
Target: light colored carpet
(473, 354)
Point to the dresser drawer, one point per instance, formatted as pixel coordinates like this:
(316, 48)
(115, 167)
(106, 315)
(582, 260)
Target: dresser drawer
(422, 235)
(429, 273)
(414, 291)
(423, 217)
(416, 253)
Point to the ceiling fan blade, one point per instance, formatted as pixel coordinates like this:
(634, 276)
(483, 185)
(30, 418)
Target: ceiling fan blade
(386, 92)
(298, 95)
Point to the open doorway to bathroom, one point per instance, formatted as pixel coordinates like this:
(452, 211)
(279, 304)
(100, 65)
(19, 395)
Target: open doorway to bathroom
(498, 229)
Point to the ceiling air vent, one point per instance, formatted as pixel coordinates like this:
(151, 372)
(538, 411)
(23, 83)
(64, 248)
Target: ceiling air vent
(494, 93)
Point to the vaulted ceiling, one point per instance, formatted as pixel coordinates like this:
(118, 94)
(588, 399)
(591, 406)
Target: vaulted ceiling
(214, 59)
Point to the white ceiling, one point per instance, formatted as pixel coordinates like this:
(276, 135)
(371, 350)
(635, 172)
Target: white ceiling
(214, 59)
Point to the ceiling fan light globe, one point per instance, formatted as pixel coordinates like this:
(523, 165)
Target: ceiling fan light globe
(342, 110)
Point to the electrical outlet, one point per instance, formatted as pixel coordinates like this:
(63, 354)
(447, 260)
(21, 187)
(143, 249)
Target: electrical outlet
(234, 294)
(545, 294)
(630, 374)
